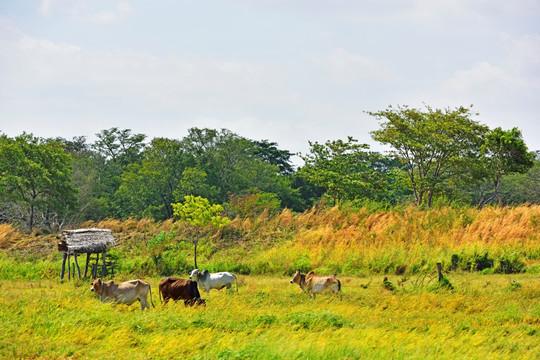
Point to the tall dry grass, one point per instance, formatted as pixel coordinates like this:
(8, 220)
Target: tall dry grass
(343, 240)
(8, 235)
(329, 240)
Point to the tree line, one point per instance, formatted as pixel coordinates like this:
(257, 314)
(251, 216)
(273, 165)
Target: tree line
(437, 156)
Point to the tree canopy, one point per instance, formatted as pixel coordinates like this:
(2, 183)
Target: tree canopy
(35, 181)
(433, 144)
(437, 155)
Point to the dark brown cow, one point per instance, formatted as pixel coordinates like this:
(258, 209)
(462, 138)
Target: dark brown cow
(180, 289)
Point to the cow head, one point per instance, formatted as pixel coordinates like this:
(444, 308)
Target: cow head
(297, 277)
(194, 275)
(96, 285)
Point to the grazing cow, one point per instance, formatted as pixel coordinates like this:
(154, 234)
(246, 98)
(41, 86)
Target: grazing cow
(217, 281)
(180, 289)
(123, 293)
(313, 284)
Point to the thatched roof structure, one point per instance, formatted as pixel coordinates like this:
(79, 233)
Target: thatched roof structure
(85, 241)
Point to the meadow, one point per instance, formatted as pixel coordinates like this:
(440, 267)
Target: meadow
(484, 316)
(489, 308)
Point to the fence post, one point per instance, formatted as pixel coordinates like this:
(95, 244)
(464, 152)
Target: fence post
(439, 271)
(63, 271)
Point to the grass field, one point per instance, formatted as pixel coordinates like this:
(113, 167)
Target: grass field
(485, 317)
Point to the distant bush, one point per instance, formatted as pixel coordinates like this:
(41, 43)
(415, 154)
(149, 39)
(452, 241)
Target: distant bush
(471, 261)
(509, 263)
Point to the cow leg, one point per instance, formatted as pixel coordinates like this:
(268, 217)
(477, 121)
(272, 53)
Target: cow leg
(144, 303)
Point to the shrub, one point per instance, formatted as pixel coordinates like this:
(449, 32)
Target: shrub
(471, 262)
(509, 263)
(302, 263)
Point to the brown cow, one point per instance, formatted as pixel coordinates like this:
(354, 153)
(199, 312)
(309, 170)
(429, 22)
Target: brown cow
(176, 289)
(123, 293)
(313, 284)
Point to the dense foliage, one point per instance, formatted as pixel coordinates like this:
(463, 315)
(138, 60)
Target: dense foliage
(438, 156)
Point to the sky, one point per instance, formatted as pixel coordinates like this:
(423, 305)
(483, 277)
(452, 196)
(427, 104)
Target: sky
(286, 71)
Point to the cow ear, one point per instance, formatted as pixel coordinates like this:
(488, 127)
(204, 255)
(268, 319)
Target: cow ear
(204, 273)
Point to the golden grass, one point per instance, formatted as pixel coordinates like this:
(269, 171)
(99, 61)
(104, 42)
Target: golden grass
(8, 235)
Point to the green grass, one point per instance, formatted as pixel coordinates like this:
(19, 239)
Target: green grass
(485, 316)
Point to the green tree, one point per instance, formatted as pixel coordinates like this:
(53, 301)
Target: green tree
(519, 188)
(119, 146)
(435, 146)
(117, 150)
(201, 216)
(505, 153)
(343, 169)
(232, 165)
(269, 153)
(193, 182)
(148, 187)
(35, 180)
(86, 165)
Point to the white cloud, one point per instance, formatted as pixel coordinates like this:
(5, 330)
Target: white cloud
(481, 76)
(514, 80)
(71, 8)
(346, 67)
(82, 11)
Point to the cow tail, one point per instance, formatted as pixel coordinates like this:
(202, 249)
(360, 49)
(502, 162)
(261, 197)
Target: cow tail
(235, 278)
(152, 301)
(161, 301)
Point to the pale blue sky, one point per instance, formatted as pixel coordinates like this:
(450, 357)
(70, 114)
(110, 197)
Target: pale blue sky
(286, 71)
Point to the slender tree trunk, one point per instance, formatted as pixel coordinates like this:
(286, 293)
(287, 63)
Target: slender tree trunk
(497, 185)
(430, 198)
(195, 243)
(31, 217)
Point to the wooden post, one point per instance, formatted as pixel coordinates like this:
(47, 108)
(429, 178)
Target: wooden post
(96, 266)
(439, 271)
(63, 271)
(104, 269)
(87, 263)
(69, 268)
(76, 264)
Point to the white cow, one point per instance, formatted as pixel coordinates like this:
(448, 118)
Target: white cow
(217, 281)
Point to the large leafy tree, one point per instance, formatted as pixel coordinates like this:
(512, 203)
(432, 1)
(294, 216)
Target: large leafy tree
(35, 180)
(148, 187)
(436, 146)
(519, 188)
(232, 164)
(505, 153)
(343, 168)
(86, 165)
(270, 153)
(118, 150)
(193, 182)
